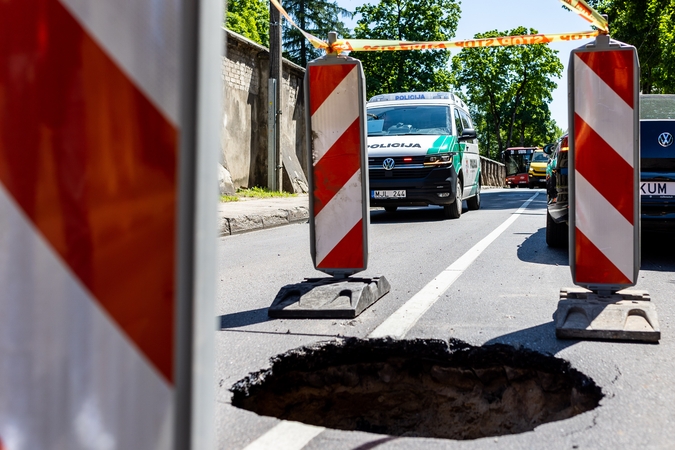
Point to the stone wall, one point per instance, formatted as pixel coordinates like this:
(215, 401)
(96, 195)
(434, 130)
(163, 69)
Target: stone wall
(245, 74)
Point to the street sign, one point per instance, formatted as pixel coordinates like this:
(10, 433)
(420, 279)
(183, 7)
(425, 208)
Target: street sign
(105, 227)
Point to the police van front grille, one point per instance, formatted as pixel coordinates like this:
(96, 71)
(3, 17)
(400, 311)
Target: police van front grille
(398, 160)
(399, 173)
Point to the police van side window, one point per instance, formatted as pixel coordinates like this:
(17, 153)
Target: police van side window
(466, 121)
(458, 122)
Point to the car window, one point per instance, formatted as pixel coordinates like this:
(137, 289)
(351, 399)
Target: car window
(458, 123)
(466, 121)
(657, 106)
(539, 157)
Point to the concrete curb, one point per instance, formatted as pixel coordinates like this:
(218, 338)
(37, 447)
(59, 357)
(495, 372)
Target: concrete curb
(271, 219)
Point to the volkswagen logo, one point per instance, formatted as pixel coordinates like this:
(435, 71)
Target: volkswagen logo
(388, 163)
(665, 140)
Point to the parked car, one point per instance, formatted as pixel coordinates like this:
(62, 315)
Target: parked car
(657, 160)
(537, 169)
(557, 209)
(657, 172)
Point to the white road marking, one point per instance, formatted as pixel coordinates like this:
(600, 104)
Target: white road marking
(286, 436)
(295, 435)
(399, 323)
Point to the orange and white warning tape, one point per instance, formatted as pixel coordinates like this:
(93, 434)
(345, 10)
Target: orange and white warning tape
(316, 42)
(588, 13)
(525, 39)
(364, 45)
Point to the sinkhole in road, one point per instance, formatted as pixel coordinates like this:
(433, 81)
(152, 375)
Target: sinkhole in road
(420, 388)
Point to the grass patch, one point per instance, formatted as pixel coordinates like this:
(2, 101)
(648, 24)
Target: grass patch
(255, 192)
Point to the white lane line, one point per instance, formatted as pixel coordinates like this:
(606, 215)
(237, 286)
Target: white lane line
(399, 323)
(295, 435)
(286, 436)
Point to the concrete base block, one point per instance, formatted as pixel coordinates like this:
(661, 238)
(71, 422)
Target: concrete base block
(328, 297)
(625, 315)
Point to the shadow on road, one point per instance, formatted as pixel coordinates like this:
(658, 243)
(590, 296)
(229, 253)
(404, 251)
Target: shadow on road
(658, 250)
(408, 215)
(534, 250)
(243, 318)
(540, 338)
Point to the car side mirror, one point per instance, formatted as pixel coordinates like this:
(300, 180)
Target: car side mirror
(548, 149)
(467, 134)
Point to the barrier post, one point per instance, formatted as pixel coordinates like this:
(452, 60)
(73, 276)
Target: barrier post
(335, 108)
(604, 215)
(108, 153)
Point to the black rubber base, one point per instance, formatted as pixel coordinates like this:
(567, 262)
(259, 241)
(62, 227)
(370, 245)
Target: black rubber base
(328, 297)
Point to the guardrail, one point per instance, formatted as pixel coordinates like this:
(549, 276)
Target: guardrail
(492, 173)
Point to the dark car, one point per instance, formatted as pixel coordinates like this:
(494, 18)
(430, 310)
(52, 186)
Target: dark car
(657, 160)
(657, 172)
(557, 210)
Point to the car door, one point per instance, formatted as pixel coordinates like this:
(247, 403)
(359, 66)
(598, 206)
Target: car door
(471, 159)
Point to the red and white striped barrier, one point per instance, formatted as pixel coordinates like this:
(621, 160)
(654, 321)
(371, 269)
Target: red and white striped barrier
(604, 162)
(89, 151)
(338, 176)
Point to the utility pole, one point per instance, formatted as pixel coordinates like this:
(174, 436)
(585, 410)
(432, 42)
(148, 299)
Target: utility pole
(275, 163)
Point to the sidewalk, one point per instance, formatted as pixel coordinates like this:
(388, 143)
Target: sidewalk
(250, 214)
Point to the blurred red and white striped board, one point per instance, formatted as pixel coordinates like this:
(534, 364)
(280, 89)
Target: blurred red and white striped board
(604, 165)
(92, 130)
(335, 87)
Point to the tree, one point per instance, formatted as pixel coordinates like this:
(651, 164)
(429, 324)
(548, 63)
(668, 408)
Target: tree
(405, 71)
(509, 90)
(649, 26)
(317, 17)
(250, 18)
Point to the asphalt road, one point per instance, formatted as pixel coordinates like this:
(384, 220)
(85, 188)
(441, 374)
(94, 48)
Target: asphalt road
(508, 294)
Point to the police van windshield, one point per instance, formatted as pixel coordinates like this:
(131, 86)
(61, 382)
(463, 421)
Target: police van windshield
(397, 120)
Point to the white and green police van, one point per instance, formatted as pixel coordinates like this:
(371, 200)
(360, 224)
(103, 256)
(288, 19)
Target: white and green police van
(422, 150)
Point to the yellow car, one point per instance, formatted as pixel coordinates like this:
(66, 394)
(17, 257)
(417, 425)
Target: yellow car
(537, 170)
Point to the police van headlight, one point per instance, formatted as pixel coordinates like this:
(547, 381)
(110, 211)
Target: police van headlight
(440, 159)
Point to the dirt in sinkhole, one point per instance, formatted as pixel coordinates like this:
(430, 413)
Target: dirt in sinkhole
(425, 388)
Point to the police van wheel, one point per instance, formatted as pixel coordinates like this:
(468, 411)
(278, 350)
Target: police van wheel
(454, 209)
(391, 209)
(473, 203)
(557, 234)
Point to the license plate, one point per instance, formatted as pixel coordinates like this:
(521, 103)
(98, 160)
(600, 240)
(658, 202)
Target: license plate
(658, 188)
(389, 194)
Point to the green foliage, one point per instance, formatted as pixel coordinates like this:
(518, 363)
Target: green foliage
(649, 25)
(259, 192)
(255, 192)
(250, 18)
(317, 17)
(509, 90)
(406, 71)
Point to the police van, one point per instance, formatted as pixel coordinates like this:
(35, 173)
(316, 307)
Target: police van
(422, 150)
